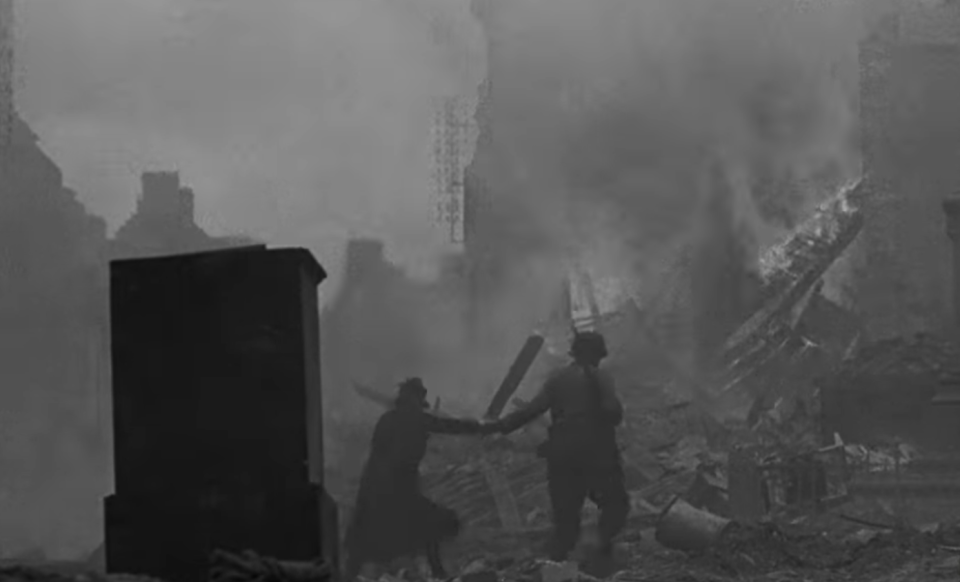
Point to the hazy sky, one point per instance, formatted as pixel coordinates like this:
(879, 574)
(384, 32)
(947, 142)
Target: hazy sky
(298, 121)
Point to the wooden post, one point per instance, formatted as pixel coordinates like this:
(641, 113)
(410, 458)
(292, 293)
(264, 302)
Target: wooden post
(503, 496)
(743, 474)
(951, 208)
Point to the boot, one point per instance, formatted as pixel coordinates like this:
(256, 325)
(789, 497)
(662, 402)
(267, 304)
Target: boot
(436, 564)
(602, 562)
(605, 549)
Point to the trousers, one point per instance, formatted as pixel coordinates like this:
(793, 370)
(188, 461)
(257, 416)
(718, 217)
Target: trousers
(570, 485)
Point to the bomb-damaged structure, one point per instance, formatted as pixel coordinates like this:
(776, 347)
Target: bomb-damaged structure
(769, 407)
(695, 388)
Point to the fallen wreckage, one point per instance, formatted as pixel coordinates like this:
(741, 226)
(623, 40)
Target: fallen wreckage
(683, 456)
(792, 271)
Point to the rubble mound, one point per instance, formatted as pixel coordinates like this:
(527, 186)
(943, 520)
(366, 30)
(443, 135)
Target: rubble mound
(751, 549)
(39, 573)
(891, 550)
(918, 354)
(755, 550)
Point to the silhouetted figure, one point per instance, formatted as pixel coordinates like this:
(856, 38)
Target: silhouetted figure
(392, 518)
(583, 458)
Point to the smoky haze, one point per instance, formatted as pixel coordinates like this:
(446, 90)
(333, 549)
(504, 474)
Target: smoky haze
(625, 130)
(294, 122)
(620, 116)
(307, 122)
(300, 123)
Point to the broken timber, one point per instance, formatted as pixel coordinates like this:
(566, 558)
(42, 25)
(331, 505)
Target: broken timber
(503, 496)
(499, 486)
(791, 270)
(521, 365)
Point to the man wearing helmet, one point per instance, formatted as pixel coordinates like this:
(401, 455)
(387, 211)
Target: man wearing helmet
(583, 458)
(392, 518)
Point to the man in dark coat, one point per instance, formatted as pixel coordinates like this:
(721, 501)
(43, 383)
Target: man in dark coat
(392, 518)
(583, 458)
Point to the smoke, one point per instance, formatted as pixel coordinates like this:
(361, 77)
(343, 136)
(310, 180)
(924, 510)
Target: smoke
(300, 123)
(622, 118)
(308, 122)
(625, 132)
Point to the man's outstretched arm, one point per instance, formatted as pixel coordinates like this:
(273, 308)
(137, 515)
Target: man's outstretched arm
(442, 425)
(538, 406)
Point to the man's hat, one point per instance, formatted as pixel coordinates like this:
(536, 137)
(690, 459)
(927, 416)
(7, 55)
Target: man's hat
(412, 389)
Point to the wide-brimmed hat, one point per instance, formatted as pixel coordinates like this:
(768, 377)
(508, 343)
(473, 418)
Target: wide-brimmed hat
(412, 389)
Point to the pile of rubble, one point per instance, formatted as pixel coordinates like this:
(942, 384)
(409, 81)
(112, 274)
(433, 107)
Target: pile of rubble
(767, 467)
(766, 551)
(917, 354)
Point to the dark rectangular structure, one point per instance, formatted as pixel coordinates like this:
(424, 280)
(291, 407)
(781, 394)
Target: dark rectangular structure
(217, 411)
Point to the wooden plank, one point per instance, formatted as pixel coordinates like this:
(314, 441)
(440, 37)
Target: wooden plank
(503, 496)
(521, 365)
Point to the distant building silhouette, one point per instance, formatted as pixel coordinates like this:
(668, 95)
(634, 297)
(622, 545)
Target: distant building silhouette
(45, 232)
(369, 328)
(164, 222)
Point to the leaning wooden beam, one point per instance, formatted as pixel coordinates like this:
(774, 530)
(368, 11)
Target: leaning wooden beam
(499, 486)
(794, 267)
(518, 370)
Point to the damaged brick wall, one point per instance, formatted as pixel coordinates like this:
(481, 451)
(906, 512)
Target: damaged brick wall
(910, 91)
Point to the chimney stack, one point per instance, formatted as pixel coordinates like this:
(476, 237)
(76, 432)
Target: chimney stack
(951, 208)
(165, 201)
(364, 258)
(185, 209)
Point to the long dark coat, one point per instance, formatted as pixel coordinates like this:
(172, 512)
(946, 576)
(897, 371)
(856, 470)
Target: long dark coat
(392, 518)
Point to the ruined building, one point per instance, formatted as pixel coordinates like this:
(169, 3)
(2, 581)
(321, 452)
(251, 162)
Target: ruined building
(371, 324)
(54, 340)
(497, 235)
(501, 233)
(910, 114)
(164, 222)
(52, 322)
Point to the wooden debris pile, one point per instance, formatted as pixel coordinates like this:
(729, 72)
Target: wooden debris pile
(768, 346)
(663, 450)
(250, 566)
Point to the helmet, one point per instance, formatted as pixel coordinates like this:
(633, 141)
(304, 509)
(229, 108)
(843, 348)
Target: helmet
(589, 345)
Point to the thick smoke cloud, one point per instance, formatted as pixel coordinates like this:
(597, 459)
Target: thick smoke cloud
(624, 118)
(303, 122)
(297, 122)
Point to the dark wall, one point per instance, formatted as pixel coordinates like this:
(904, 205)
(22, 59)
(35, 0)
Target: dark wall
(873, 409)
(910, 107)
(217, 410)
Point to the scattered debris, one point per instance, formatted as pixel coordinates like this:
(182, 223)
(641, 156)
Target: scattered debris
(684, 527)
(252, 567)
(559, 571)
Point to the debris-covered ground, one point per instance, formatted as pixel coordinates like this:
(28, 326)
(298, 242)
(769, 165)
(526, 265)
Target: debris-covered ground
(841, 512)
(764, 552)
(882, 536)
